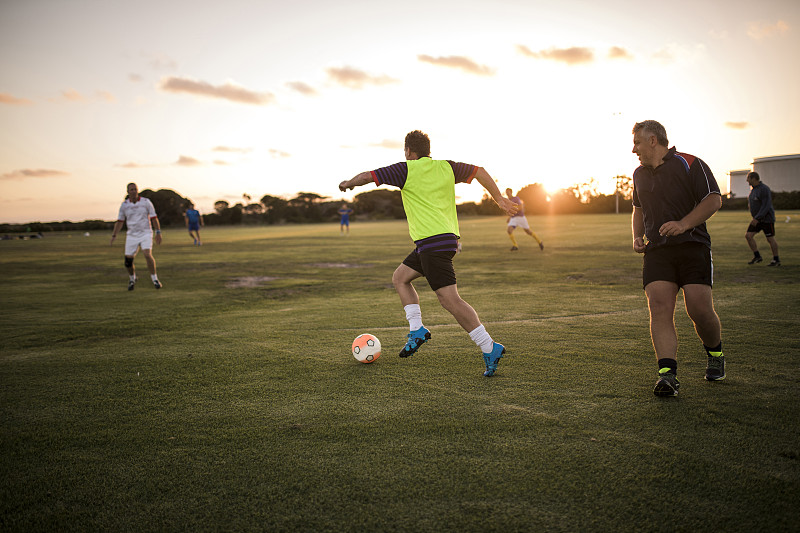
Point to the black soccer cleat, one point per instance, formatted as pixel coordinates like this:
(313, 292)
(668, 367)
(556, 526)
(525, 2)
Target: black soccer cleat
(715, 370)
(157, 284)
(755, 260)
(667, 385)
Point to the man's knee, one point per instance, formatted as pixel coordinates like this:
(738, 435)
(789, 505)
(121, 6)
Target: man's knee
(128, 261)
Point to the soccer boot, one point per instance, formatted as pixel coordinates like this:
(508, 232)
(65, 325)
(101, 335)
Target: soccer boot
(755, 260)
(132, 284)
(157, 284)
(416, 339)
(492, 358)
(667, 384)
(715, 370)
(541, 246)
(514, 248)
(774, 263)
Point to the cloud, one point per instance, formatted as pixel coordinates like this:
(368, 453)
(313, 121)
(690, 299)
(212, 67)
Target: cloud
(107, 96)
(458, 62)
(674, 53)
(186, 161)
(132, 165)
(575, 55)
(357, 79)
(229, 91)
(617, 52)
(72, 95)
(386, 143)
(231, 149)
(136, 78)
(13, 100)
(278, 153)
(763, 30)
(737, 125)
(33, 173)
(302, 88)
(221, 162)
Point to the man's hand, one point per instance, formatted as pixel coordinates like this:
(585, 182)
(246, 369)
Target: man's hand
(158, 237)
(112, 239)
(343, 186)
(672, 228)
(638, 245)
(508, 206)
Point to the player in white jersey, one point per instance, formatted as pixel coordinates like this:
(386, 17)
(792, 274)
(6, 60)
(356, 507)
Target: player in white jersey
(520, 221)
(140, 215)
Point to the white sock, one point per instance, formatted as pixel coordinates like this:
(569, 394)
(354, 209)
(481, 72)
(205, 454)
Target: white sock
(482, 338)
(133, 277)
(414, 316)
(154, 277)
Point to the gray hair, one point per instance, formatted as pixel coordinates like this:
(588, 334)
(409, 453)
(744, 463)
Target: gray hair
(653, 128)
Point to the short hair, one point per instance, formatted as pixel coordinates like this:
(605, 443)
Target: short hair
(419, 143)
(754, 175)
(653, 128)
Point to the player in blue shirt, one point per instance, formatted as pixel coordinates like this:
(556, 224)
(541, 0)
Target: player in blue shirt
(194, 220)
(344, 221)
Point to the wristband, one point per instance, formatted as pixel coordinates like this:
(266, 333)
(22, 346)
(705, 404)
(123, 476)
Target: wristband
(158, 231)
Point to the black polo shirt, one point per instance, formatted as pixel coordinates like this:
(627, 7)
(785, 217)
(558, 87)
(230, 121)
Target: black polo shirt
(670, 192)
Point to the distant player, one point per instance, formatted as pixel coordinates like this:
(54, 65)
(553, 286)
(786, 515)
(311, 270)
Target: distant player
(760, 203)
(428, 192)
(140, 215)
(194, 220)
(673, 196)
(520, 221)
(344, 220)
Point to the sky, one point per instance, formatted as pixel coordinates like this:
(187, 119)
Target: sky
(216, 100)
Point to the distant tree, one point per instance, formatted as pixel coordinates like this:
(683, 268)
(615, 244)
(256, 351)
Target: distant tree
(305, 207)
(379, 204)
(169, 205)
(274, 209)
(535, 198)
(623, 185)
(220, 206)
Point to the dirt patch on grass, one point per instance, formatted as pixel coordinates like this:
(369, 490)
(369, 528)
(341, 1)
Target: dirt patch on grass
(249, 282)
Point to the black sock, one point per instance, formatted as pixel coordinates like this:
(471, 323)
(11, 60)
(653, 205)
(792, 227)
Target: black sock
(756, 254)
(775, 257)
(672, 364)
(716, 349)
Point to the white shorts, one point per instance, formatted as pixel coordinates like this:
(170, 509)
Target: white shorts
(134, 240)
(518, 222)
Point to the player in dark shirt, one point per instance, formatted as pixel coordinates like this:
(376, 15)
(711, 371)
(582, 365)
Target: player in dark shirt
(673, 196)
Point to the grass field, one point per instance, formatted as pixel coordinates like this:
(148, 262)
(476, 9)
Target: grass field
(229, 400)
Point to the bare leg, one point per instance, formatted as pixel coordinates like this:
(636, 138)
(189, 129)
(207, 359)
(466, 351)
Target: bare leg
(751, 242)
(401, 279)
(700, 308)
(464, 314)
(773, 244)
(151, 261)
(661, 297)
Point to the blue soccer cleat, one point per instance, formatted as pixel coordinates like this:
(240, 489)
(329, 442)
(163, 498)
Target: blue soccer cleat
(415, 339)
(493, 358)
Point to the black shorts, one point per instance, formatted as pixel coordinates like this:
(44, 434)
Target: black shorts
(437, 267)
(767, 228)
(683, 264)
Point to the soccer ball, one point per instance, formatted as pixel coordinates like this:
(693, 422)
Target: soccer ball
(366, 348)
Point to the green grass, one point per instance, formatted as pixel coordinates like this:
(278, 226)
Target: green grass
(205, 407)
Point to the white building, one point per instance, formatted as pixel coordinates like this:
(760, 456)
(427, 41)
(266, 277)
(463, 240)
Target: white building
(780, 173)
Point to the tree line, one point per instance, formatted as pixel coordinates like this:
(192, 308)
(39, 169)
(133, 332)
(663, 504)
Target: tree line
(379, 204)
